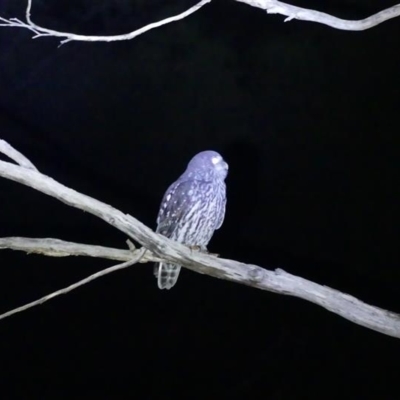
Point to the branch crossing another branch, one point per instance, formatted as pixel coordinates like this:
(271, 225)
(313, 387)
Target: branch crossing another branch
(161, 248)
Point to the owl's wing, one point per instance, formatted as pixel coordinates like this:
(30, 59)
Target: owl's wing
(178, 200)
(221, 215)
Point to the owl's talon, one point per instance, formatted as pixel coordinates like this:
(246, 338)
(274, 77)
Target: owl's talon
(195, 248)
(202, 250)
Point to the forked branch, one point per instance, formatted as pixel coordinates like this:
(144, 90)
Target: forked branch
(159, 247)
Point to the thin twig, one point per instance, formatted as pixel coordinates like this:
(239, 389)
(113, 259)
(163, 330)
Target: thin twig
(42, 31)
(82, 282)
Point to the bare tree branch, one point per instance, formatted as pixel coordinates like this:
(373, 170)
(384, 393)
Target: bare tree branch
(15, 155)
(60, 248)
(41, 31)
(305, 14)
(277, 281)
(74, 286)
(270, 6)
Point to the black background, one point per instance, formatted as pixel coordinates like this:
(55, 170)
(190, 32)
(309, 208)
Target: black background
(307, 118)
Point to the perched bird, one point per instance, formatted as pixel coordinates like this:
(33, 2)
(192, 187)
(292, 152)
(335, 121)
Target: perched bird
(193, 207)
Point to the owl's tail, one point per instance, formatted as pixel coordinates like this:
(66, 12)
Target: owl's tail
(166, 274)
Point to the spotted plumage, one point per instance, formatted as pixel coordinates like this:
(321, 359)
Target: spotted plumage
(193, 207)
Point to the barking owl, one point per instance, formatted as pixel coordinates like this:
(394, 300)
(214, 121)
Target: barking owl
(193, 207)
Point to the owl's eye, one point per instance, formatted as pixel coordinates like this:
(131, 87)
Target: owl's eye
(216, 160)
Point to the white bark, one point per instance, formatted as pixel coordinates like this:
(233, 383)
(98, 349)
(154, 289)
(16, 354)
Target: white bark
(41, 31)
(270, 6)
(277, 281)
(15, 155)
(305, 14)
(60, 248)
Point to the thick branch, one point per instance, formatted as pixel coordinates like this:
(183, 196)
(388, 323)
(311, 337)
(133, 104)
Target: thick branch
(305, 14)
(276, 281)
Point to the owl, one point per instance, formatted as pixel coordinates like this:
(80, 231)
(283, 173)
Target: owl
(193, 208)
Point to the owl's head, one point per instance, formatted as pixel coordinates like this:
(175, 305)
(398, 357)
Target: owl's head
(209, 163)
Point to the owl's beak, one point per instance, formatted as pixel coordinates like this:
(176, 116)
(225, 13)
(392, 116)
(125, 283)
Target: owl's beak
(222, 166)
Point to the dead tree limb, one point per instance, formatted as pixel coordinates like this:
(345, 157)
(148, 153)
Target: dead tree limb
(160, 247)
(270, 6)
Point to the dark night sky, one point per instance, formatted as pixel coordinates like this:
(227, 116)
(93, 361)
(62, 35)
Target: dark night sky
(307, 118)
